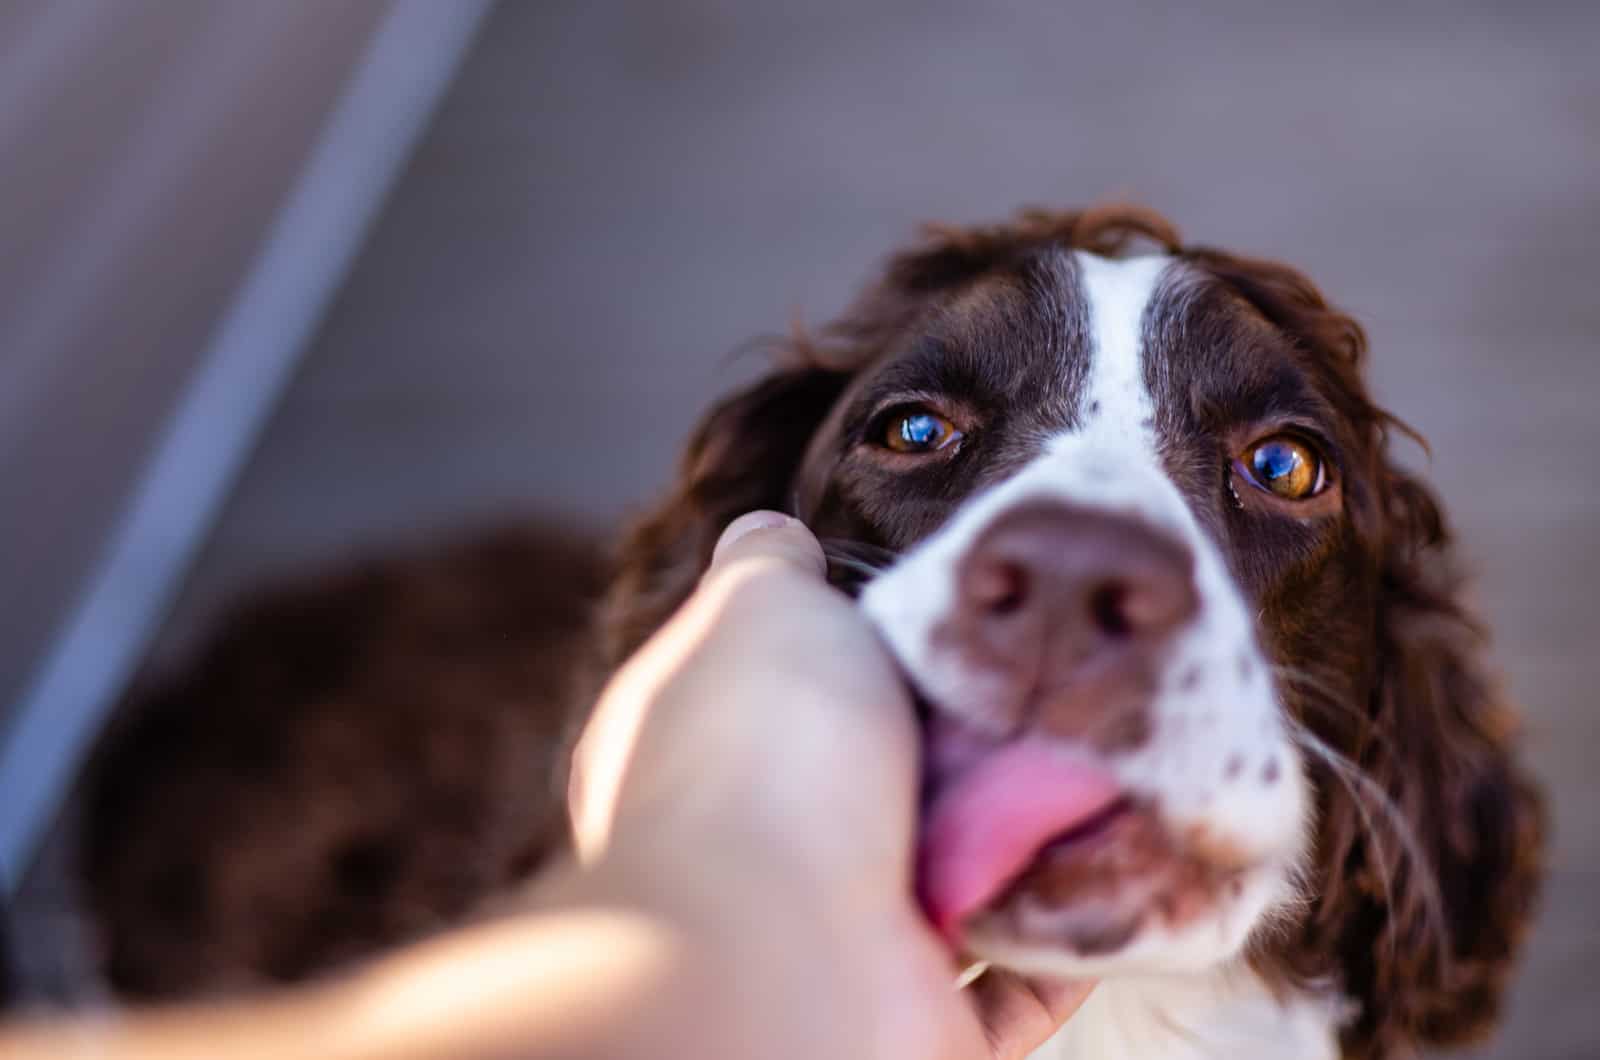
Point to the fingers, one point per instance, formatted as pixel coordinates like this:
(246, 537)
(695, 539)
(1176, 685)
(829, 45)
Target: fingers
(1061, 999)
(1019, 1014)
(769, 535)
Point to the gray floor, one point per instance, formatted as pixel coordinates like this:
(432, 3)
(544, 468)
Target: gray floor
(617, 194)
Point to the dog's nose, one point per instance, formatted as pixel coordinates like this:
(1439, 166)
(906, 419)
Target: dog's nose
(1072, 605)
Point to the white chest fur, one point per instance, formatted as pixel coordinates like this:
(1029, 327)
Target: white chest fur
(1226, 1015)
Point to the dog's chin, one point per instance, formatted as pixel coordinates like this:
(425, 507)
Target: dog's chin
(1129, 896)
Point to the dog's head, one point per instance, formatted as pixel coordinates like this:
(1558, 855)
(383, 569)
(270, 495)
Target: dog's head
(1198, 683)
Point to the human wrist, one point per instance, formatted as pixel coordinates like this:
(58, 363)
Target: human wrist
(759, 946)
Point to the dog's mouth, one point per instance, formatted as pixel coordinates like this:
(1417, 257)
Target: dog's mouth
(985, 826)
(1030, 842)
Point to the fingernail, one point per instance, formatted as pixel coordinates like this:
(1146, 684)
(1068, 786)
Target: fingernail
(749, 523)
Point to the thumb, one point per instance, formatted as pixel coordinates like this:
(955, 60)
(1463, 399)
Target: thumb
(766, 535)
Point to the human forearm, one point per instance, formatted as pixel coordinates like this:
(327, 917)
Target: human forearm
(629, 959)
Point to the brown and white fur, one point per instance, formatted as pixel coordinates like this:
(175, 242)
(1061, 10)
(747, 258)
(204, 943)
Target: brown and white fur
(1333, 851)
(1324, 846)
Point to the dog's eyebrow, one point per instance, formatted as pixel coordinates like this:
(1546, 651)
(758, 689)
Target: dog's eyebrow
(1292, 388)
(1209, 356)
(932, 369)
(1288, 398)
(931, 363)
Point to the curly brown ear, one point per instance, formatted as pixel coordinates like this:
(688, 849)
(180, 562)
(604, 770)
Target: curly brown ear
(1428, 965)
(1430, 833)
(743, 455)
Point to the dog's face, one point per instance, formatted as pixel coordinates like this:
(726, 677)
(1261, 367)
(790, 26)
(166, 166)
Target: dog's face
(1101, 479)
(1129, 527)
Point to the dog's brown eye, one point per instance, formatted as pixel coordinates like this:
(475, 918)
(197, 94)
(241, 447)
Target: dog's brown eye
(916, 430)
(1286, 467)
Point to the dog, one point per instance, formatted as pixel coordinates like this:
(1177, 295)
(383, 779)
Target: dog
(1206, 715)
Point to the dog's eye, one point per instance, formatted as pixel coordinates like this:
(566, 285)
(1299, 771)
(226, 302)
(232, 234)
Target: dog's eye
(1286, 467)
(917, 430)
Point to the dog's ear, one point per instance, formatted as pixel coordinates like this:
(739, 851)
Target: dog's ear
(1429, 852)
(1429, 963)
(743, 455)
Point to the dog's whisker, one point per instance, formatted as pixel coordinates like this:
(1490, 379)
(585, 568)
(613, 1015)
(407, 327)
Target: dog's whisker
(841, 559)
(875, 556)
(866, 570)
(1380, 857)
(1326, 697)
(1366, 792)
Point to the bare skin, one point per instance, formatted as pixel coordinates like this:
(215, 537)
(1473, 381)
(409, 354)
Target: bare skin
(744, 804)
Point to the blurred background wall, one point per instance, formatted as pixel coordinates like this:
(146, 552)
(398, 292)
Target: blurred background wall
(144, 151)
(615, 195)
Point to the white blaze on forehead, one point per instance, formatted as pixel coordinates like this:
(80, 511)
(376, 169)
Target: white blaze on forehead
(1117, 407)
(1218, 757)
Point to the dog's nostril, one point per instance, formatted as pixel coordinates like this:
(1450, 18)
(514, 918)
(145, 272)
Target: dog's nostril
(999, 589)
(1108, 604)
(1064, 581)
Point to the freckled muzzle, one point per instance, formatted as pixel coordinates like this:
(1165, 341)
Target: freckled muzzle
(1067, 610)
(1077, 785)
(1093, 889)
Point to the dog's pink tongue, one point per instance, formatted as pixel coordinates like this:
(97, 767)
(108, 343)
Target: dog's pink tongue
(988, 824)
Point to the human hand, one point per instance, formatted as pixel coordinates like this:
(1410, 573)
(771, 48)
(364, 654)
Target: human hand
(759, 757)
(745, 805)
